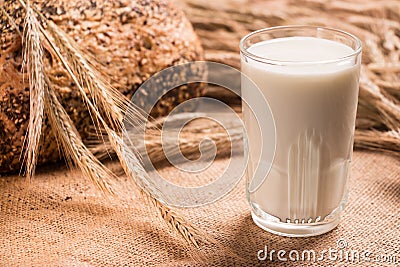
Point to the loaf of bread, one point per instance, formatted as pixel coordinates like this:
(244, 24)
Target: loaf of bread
(131, 39)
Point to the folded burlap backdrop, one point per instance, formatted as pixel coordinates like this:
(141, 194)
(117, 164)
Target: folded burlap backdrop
(60, 219)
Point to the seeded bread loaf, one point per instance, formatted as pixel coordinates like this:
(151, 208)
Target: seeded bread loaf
(131, 39)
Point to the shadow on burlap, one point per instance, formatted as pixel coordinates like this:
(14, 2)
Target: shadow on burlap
(62, 220)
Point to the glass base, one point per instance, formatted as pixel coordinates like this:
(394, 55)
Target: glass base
(295, 230)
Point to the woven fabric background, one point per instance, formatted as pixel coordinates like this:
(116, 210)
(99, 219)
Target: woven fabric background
(61, 220)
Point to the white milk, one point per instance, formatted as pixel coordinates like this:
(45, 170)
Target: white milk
(314, 108)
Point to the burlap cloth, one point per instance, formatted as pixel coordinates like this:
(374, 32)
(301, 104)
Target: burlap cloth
(62, 220)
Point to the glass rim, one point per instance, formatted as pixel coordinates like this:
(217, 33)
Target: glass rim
(261, 59)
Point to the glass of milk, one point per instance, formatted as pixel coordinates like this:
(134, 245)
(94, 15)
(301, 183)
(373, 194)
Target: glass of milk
(309, 77)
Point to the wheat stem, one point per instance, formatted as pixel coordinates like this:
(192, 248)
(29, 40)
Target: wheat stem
(72, 144)
(107, 98)
(128, 159)
(33, 60)
(133, 168)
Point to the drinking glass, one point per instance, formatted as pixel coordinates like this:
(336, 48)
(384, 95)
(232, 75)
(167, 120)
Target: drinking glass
(309, 76)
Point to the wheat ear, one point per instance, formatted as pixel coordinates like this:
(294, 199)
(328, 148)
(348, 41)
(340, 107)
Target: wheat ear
(112, 102)
(379, 141)
(72, 145)
(154, 146)
(389, 111)
(104, 95)
(139, 174)
(133, 169)
(74, 149)
(33, 60)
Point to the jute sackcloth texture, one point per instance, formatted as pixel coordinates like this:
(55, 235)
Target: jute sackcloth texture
(61, 220)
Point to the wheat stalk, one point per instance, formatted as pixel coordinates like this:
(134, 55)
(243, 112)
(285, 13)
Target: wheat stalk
(92, 107)
(154, 147)
(133, 168)
(371, 95)
(379, 100)
(72, 145)
(74, 64)
(33, 60)
(111, 102)
(377, 141)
